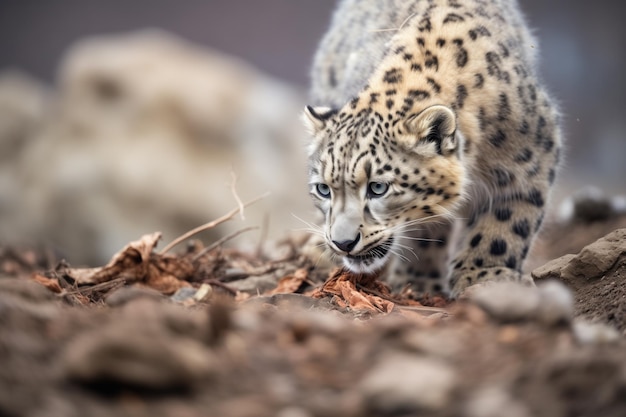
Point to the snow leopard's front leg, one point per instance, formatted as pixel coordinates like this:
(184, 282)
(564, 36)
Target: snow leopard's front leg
(497, 238)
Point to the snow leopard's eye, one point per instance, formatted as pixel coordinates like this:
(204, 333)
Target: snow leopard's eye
(323, 190)
(377, 189)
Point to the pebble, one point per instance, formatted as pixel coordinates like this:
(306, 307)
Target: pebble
(403, 382)
(550, 303)
(494, 402)
(129, 355)
(557, 303)
(588, 333)
(508, 301)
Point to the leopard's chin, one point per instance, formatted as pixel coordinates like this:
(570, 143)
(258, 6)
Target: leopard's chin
(371, 261)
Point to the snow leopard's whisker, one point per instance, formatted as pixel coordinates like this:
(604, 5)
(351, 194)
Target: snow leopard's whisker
(401, 248)
(311, 227)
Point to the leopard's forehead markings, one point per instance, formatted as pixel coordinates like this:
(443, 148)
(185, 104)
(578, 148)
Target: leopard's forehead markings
(352, 147)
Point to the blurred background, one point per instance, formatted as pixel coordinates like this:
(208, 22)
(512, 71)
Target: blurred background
(119, 118)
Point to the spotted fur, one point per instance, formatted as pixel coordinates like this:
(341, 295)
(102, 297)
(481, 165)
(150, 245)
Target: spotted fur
(430, 118)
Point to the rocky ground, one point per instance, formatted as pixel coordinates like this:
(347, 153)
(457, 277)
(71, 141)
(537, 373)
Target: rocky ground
(211, 331)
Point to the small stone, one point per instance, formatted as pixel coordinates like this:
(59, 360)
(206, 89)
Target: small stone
(136, 356)
(556, 305)
(402, 383)
(184, 293)
(553, 268)
(492, 402)
(594, 333)
(508, 301)
(204, 293)
(596, 259)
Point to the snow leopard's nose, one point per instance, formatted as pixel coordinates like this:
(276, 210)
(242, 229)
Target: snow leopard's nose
(347, 245)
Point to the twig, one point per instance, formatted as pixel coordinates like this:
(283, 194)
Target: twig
(221, 241)
(233, 189)
(209, 225)
(108, 285)
(220, 284)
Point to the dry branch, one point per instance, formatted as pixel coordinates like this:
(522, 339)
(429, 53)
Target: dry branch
(210, 224)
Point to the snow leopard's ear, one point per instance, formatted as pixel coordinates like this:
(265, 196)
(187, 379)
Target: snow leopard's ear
(432, 129)
(315, 118)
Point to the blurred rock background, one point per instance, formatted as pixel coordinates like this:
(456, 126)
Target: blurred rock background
(119, 118)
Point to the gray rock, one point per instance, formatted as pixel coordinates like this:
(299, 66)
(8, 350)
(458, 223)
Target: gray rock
(556, 305)
(137, 356)
(183, 294)
(550, 303)
(552, 269)
(595, 333)
(494, 402)
(402, 383)
(508, 301)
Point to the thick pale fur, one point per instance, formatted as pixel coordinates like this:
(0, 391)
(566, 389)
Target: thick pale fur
(439, 100)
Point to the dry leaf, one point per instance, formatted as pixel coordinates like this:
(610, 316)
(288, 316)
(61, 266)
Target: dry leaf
(131, 262)
(165, 283)
(50, 283)
(290, 283)
(343, 285)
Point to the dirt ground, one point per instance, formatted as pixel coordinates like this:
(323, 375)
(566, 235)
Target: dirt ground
(215, 332)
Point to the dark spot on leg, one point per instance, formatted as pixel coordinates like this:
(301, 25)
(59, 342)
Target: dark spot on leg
(535, 198)
(478, 262)
(524, 156)
(498, 247)
(511, 262)
(503, 213)
(524, 252)
(476, 240)
(503, 177)
(522, 228)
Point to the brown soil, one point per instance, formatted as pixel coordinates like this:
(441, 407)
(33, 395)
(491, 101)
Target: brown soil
(597, 277)
(222, 333)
